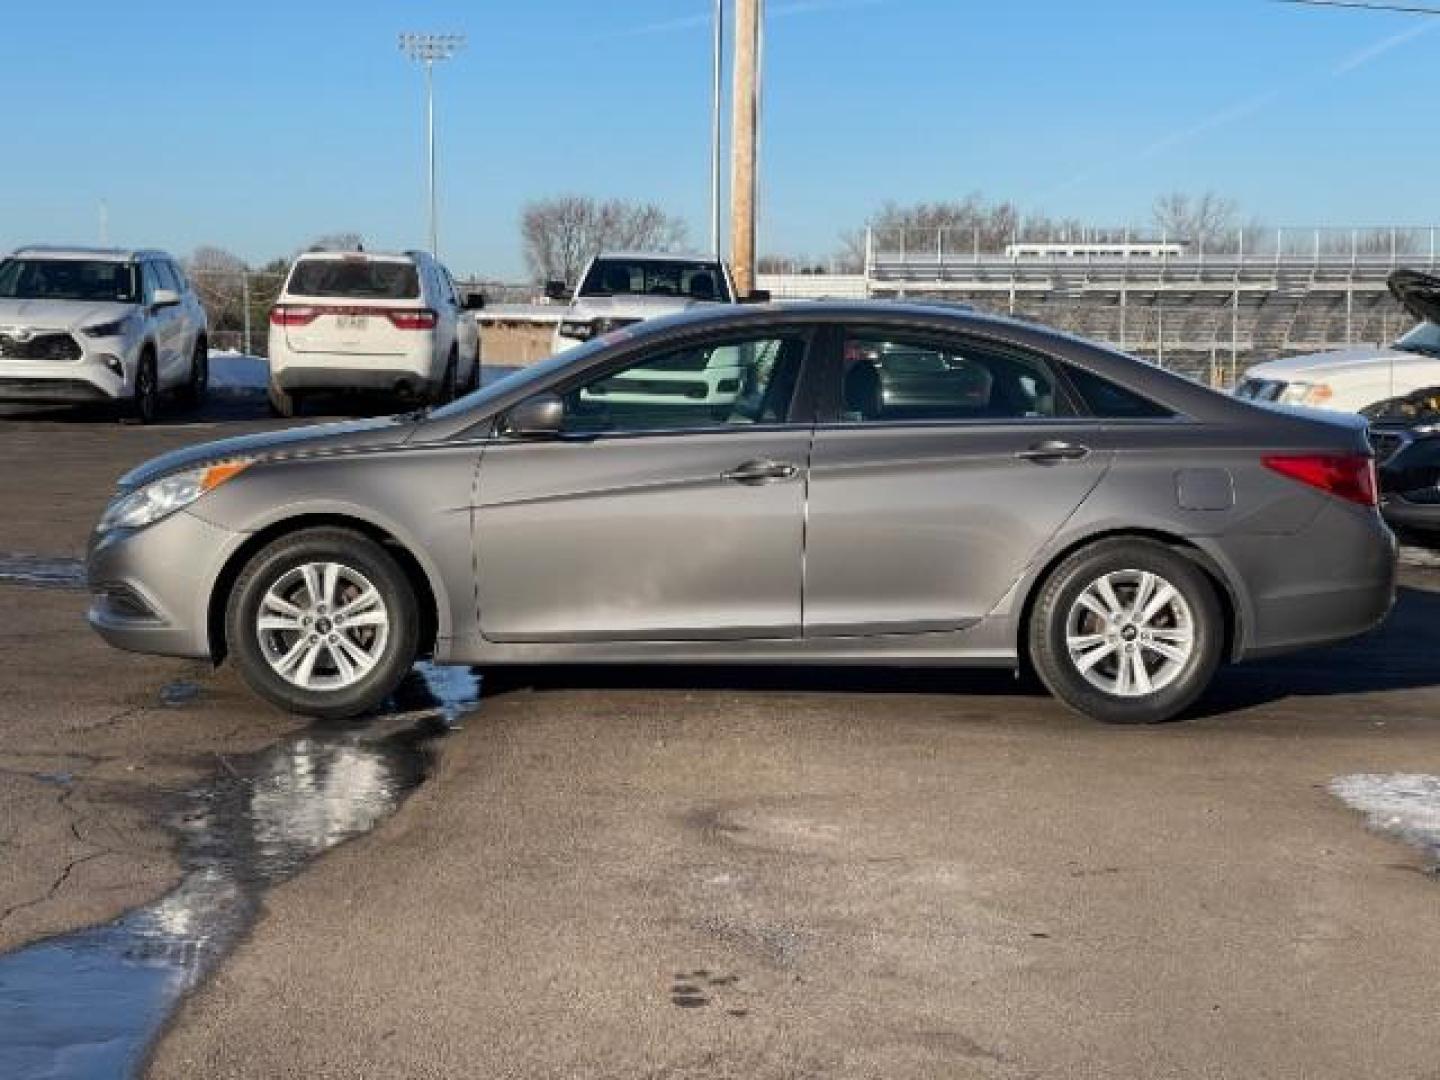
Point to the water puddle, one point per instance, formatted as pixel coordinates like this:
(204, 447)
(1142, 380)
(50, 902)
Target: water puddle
(42, 572)
(89, 1003)
(1405, 805)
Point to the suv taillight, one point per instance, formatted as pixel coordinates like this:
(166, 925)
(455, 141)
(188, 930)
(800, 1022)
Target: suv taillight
(292, 315)
(1346, 476)
(418, 319)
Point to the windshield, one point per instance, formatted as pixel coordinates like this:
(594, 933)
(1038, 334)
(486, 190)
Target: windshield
(655, 277)
(95, 280)
(1424, 339)
(356, 278)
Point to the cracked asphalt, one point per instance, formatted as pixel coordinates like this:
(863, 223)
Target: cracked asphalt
(685, 873)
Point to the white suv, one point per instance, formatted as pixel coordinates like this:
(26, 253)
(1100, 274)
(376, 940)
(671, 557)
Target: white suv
(353, 320)
(100, 325)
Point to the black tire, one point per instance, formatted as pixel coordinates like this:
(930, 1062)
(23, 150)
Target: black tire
(282, 404)
(473, 383)
(144, 404)
(447, 391)
(1057, 604)
(196, 387)
(322, 545)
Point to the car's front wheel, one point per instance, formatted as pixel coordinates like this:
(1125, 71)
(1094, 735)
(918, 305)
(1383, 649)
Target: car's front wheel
(323, 623)
(193, 393)
(1127, 631)
(145, 399)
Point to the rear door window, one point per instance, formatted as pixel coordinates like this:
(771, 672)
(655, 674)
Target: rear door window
(892, 376)
(355, 279)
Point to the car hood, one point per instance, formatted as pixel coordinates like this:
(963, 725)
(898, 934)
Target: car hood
(1418, 293)
(59, 314)
(632, 307)
(1341, 362)
(291, 442)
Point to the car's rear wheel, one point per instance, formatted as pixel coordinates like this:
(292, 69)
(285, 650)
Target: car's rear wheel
(473, 383)
(1127, 631)
(283, 404)
(323, 623)
(195, 388)
(145, 399)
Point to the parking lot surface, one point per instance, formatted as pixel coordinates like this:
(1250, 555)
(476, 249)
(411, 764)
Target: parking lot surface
(730, 873)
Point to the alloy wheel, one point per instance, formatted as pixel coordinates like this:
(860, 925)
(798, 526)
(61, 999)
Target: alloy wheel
(1130, 633)
(322, 626)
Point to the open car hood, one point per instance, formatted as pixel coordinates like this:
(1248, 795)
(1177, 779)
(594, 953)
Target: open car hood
(1418, 292)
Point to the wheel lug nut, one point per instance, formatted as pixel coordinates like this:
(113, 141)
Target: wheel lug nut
(313, 639)
(331, 639)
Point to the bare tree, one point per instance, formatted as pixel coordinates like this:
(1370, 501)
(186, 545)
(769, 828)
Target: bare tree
(219, 279)
(336, 241)
(561, 234)
(1204, 219)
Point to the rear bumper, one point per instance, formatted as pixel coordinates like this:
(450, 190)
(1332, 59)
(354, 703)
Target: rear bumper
(371, 380)
(1333, 581)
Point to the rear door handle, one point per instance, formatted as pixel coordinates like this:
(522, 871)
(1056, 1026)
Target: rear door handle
(761, 472)
(1053, 450)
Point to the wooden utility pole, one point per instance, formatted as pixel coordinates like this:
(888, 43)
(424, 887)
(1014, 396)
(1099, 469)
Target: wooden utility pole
(745, 116)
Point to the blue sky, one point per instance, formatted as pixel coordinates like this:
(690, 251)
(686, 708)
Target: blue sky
(257, 126)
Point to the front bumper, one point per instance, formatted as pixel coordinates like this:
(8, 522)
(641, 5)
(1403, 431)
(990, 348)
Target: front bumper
(65, 382)
(151, 588)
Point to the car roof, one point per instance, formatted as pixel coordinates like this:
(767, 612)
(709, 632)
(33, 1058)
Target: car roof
(376, 256)
(102, 254)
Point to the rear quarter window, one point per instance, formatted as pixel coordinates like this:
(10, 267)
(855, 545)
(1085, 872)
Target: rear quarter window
(355, 279)
(1111, 401)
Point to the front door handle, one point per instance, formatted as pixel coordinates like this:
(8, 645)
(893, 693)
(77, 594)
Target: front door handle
(761, 472)
(1053, 450)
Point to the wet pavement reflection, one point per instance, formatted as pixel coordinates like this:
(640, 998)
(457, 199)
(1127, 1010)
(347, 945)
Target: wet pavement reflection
(42, 571)
(89, 1003)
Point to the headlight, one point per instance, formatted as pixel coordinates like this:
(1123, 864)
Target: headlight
(151, 503)
(1303, 393)
(117, 328)
(580, 331)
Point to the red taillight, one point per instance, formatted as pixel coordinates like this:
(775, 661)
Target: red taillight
(292, 315)
(1347, 476)
(418, 319)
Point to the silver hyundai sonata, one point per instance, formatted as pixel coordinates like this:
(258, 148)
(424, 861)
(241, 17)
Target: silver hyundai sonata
(870, 484)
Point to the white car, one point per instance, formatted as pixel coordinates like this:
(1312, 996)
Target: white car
(619, 290)
(355, 320)
(100, 325)
(1353, 379)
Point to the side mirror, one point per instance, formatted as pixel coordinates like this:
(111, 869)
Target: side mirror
(164, 298)
(556, 290)
(757, 296)
(474, 301)
(539, 417)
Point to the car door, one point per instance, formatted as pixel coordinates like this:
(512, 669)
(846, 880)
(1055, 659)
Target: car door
(168, 324)
(660, 512)
(466, 331)
(940, 468)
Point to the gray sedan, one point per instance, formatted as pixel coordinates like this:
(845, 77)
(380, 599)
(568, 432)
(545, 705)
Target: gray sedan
(875, 484)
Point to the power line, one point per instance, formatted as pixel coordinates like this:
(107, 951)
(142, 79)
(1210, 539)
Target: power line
(1407, 9)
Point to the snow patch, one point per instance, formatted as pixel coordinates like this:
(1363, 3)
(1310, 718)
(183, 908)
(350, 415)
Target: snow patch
(235, 372)
(1406, 805)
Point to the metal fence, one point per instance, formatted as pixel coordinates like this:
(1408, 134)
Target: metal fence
(1400, 244)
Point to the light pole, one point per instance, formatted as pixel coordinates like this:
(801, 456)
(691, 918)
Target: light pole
(428, 49)
(717, 80)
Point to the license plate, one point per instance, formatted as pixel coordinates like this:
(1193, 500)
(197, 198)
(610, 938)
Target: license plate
(351, 322)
